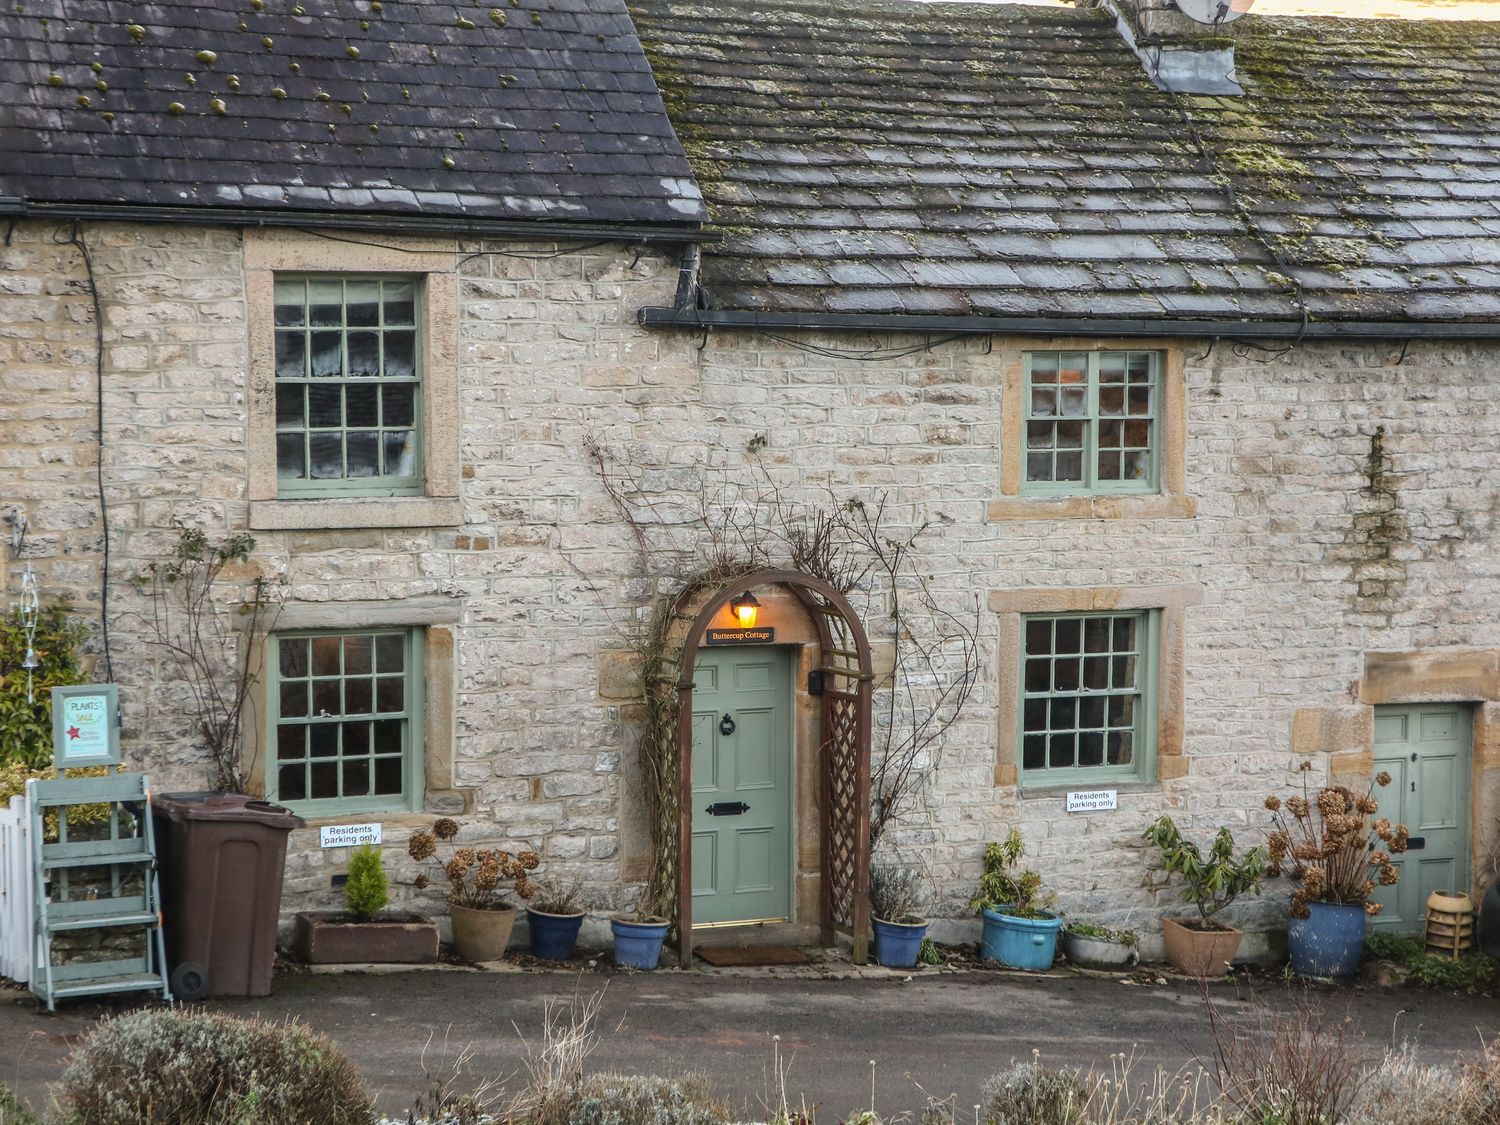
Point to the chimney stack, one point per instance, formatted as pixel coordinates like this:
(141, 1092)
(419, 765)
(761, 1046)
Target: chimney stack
(1185, 45)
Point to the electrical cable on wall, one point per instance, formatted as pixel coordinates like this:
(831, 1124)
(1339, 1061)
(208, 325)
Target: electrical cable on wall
(73, 236)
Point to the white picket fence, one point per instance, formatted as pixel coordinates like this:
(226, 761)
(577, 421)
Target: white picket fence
(15, 891)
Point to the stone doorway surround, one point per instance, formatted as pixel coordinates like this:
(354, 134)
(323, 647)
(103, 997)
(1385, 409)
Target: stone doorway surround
(1346, 733)
(832, 751)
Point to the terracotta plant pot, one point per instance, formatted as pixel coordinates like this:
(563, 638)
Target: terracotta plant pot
(1199, 953)
(481, 935)
(337, 939)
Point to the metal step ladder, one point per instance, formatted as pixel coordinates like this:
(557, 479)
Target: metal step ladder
(95, 875)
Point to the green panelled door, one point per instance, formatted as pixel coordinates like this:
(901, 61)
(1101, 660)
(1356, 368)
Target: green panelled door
(1425, 748)
(742, 755)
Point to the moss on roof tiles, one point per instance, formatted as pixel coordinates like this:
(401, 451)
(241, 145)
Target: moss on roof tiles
(1029, 117)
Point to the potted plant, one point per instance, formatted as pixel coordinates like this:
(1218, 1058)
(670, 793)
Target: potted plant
(482, 918)
(221, 914)
(554, 918)
(895, 901)
(1099, 947)
(638, 938)
(1336, 857)
(363, 934)
(1204, 946)
(1019, 931)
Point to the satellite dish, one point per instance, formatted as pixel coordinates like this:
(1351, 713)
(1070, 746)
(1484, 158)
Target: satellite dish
(1214, 11)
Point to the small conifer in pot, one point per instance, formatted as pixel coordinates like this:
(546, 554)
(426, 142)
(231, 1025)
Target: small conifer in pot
(366, 891)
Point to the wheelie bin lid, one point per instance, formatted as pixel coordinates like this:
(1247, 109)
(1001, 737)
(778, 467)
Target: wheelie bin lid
(225, 806)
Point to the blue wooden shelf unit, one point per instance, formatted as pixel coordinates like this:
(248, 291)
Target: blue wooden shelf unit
(98, 875)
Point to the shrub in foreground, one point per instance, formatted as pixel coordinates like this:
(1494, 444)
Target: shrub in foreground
(1030, 1094)
(12, 1112)
(203, 1068)
(620, 1099)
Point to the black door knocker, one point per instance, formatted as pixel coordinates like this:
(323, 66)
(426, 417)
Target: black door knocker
(726, 724)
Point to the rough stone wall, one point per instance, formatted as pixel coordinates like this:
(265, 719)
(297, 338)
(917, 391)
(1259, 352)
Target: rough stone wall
(1317, 536)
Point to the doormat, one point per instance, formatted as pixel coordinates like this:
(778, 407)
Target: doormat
(737, 957)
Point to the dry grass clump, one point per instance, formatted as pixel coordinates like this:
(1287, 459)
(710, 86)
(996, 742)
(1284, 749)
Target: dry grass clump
(1402, 1089)
(1031, 1094)
(1294, 1065)
(557, 1091)
(173, 1067)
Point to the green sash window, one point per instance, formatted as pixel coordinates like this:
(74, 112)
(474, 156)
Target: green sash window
(1088, 697)
(1092, 422)
(347, 720)
(348, 386)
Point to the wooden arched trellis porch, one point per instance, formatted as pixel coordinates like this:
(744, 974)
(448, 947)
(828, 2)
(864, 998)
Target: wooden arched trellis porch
(843, 754)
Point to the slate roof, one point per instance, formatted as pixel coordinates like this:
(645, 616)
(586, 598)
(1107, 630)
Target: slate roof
(962, 159)
(546, 109)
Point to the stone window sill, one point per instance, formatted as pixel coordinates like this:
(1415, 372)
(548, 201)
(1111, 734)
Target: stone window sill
(1058, 792)
(355, 513)
(1155, 506)
(442, 802)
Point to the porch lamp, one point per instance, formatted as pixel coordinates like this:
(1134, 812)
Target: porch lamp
(745, 609)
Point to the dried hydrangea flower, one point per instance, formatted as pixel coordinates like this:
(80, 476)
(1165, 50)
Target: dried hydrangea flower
(1382, 779)
(445, 829)
(422, 845)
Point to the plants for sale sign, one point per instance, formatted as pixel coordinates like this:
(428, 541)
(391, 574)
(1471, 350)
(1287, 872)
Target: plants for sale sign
(85, 726)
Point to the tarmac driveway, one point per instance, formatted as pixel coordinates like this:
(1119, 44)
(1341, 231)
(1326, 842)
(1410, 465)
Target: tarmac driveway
(943, 1034)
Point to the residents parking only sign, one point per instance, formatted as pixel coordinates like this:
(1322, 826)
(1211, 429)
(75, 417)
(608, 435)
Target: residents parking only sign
(1092, 800)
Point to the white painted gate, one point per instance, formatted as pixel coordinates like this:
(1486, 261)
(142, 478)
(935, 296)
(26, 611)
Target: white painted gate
(16, 936)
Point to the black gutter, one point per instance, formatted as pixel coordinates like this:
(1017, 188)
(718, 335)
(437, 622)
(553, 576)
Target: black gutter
(354, 220)
(1290, 331)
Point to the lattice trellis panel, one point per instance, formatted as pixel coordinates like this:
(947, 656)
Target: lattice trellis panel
(841, 786)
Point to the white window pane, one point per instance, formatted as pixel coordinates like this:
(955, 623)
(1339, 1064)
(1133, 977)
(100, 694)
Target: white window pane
(291, 358)
(362, 303)
(325, 300)
(291, 300)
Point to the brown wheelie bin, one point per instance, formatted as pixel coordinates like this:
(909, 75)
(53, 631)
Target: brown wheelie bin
(222, 857)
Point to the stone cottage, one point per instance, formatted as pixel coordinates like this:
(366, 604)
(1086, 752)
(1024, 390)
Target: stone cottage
(1167, 358)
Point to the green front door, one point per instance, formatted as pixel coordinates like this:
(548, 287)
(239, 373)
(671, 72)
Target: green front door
(1425, 748)
(742, 787)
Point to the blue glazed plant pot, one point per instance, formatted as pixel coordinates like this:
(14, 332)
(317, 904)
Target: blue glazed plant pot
(553, 936)
(638, 944)
(1328, 942)
(1020, 943)
(897, 944)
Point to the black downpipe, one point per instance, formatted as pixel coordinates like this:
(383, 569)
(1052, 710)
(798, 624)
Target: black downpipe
(687, 278)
